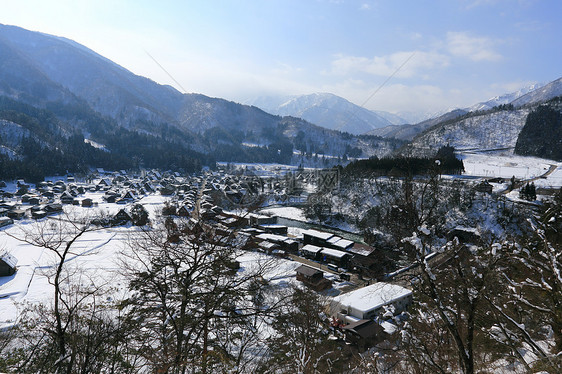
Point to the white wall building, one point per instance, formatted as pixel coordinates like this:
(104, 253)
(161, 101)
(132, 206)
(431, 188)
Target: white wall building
(369, 302)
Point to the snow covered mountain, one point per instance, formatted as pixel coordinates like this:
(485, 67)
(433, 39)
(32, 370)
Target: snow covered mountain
(327, 110)
(504, 99)
(496, 130)
(409, 132)
(540, 94)
(528, 95)
(86, 95)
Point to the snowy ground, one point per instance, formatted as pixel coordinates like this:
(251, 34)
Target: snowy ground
(487, 165)
(289, 212)
(96, 259)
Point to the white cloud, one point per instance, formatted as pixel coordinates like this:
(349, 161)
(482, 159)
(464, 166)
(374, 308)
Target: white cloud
(476, 48)
(404, 64)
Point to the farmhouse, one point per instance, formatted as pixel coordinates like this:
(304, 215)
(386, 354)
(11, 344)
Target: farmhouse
(312, 278)
(363, 333)
(311, 251)
(333, 256)
(316, 237)
(7, 264)
(370, 302)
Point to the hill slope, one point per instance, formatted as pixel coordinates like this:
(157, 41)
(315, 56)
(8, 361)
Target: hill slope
(326, 110)
(93, 98)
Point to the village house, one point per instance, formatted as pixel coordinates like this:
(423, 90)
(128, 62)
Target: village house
(274, 229)
(258, 219)
(484, 187)
(16, 214)
(38, 214)
(311, 252)
(121, 218)
(371, 301)
(364, 333)
(312, 278)
(5, 221)
(7, 264)
(333, 256)
(315, 237)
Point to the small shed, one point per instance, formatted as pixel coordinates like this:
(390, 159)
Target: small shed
(484, 187)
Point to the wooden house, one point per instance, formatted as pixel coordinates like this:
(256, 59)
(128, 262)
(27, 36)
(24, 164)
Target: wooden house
(333, 256)
(5, 221)
(16, 214)
(311, 251)
(66, 198)
(364, 333)
(7, 264)
(484, 187)
(38, 214)
(53, 208)
(121, 218)
(312, 278)
(318, 238)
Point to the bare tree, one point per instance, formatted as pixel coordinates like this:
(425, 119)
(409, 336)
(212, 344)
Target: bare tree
(451, 319)
(72, 334)
(189, 303)
(300, 343)
(531, 312)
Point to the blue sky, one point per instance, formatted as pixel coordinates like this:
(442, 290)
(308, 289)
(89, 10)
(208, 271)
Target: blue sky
(454, 53)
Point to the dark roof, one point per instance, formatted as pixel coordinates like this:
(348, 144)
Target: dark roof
(365, 328)
(308, 271)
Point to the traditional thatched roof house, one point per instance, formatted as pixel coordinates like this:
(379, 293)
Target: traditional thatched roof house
(7, 264)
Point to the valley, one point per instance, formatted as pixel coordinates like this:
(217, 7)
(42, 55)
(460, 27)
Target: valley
(147, 230)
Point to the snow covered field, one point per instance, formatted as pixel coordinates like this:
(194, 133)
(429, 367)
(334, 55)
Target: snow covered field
(487, 165)
(96, 259)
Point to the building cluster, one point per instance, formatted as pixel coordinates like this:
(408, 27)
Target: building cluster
(200, 200)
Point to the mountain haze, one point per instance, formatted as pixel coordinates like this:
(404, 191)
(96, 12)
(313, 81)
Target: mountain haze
(528, 95)
(327, 110)
(85, 95)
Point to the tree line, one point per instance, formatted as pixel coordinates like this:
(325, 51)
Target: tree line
(444, 162)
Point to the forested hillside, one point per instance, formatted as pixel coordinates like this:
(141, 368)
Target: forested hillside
(542, 134)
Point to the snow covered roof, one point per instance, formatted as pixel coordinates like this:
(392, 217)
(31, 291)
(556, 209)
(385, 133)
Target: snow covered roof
(272, 237)
(334, 239)
(318, 234)
(311, 248)
(10, 260)
(333, 252)
(343, 243)
(373, 296)
(361, 249)
(272, 226)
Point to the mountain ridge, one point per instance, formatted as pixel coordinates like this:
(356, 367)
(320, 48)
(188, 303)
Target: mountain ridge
(326, 110)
